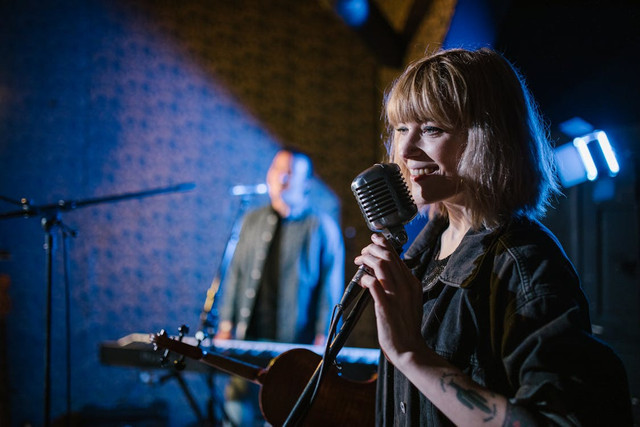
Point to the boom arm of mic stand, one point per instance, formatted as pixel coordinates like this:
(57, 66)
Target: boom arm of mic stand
(302, 405)
(29, 211)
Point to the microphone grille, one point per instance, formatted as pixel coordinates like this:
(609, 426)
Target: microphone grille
(383, 197)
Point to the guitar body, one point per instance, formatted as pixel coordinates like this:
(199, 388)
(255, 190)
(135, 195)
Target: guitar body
(340, 402)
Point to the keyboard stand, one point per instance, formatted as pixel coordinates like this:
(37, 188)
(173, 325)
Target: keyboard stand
(177, 375)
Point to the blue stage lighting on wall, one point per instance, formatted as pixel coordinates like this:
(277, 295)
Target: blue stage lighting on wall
(353, 12)
(586, 158)
(576, 126)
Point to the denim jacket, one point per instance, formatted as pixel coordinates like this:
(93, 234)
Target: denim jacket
(508, 311)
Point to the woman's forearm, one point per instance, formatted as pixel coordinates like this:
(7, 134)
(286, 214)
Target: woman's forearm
(461, 399)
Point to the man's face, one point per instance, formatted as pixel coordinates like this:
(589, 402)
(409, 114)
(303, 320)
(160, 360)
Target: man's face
(287, 179)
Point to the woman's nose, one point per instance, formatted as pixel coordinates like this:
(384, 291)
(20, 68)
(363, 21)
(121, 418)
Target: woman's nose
(408, 146)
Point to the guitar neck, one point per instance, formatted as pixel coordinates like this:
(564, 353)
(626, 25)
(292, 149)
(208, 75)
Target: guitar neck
(232, 366)
(224, 363)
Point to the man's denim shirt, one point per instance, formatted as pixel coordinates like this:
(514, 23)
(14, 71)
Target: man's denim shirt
(509, 311)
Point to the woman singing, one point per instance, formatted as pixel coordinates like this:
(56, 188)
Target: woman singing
(484, 322)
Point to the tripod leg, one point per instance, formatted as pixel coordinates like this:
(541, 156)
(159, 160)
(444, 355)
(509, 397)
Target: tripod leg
(190, 398)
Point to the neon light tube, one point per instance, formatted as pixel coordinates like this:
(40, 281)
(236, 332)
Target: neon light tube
(609, 155)
(589, 165)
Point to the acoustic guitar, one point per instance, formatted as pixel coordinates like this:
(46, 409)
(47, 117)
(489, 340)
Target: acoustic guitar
(339, 402)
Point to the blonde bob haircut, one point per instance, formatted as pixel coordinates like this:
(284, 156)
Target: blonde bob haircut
(507, 166)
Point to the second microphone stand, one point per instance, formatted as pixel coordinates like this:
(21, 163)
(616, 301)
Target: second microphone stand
(51, 220)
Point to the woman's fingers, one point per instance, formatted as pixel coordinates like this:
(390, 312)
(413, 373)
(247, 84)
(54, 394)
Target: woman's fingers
(386, 270)
(381, 261)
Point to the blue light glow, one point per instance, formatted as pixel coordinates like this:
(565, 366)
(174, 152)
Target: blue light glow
(585, 160)
(607, 151)
(570, 166)
(575, 126)
(581, 144)
(353, 12)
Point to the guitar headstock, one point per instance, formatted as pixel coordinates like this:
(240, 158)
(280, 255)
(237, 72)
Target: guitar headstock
(164, 341)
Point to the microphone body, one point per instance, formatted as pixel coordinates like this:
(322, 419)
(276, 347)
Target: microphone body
(385, 201)
(386, 204)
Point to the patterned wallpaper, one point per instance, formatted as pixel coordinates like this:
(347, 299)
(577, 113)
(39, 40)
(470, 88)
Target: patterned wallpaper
(101, 98)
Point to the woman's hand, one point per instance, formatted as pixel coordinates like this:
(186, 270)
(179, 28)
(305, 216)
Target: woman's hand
(397, 296)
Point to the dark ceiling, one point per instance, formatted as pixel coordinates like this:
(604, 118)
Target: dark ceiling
(581, 58)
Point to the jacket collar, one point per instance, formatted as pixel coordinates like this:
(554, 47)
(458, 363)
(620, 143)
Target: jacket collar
(463, 265)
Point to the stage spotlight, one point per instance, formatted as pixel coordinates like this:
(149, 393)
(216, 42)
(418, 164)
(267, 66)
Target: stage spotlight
(609, 154)
(586, 158)
(353, 12)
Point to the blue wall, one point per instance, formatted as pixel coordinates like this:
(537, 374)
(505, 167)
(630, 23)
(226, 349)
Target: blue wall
(100, 98)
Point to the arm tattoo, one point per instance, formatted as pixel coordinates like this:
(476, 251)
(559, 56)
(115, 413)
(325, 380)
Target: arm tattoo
(468, 397)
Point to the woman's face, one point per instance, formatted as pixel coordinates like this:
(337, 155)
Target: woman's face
(431, 155)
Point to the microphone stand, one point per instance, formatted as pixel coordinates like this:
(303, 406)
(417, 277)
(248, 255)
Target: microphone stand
(209, 320)
(209, 316)
(299, 410)
(398, 237)
(49, 223)
(51, 219)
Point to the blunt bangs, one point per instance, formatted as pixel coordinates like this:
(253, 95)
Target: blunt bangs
(425, 93)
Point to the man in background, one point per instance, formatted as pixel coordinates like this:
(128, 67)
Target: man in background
(286, 274)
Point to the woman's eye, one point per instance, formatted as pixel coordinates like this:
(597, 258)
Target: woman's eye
(431, 130)
(401, 129)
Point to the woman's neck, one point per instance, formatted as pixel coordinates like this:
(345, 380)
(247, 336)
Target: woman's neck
(459, 224)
